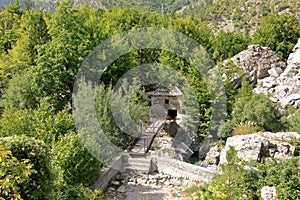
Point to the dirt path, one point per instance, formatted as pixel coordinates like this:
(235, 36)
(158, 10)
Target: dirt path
(146, 192)
(147, 187)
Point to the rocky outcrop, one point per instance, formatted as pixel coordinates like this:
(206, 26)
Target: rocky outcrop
(283, 85)
(257, 146)
(269, 73)
(256, 63)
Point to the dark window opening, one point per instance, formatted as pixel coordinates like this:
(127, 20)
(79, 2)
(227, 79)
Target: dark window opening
(172, 114)
(167, 101)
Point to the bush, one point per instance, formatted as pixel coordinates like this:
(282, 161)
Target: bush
(13, 173)
(280, 33)
(244, 128)
(294, 121)
(72, 163)
(236, 182)
(256, 108)
(76, 192)
(284, 175)
(227, 44)
(42, 123)
(35, 152)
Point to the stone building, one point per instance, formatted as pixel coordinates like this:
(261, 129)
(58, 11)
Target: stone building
(166, 103)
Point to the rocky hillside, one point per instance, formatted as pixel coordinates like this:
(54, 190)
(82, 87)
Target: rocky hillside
(165, 6)
(272, 76)
(242, 15)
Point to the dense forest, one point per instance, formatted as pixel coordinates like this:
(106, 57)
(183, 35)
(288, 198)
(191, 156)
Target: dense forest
(42, 49)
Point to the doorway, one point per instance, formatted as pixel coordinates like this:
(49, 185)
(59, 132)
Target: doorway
(172, 114)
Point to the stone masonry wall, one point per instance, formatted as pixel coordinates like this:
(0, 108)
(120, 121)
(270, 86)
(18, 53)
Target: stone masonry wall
(117, 164)
(184, 170)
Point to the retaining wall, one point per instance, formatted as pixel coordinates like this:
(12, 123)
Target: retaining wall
(185, 170)
(117, 164)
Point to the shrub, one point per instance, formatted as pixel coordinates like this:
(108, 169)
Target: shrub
(280, 33)
(244, 128)
(284, 175)
(42, 123)
(294, 121)
(13, 173)
(35, 152)
(72, 163)
(256, 108)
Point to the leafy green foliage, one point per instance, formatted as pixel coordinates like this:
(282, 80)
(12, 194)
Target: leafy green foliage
(235, 182)
(34, 153)
(73, 169)
(19, 92)
(13, 173)
(294, 121)
(41, 53)
(137, 112)
(288, 182)
(280, 33)
(227, 44)
(256, 108)
(76, 192)
(239, 182)
(72, 161)
(42, 123)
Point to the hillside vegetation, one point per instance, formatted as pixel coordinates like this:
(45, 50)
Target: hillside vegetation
(41, 152)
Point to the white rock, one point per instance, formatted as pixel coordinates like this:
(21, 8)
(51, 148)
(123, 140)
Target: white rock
(254, 147)
(268, 193)
(121, 189)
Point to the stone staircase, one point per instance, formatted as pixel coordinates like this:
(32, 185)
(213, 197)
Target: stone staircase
(139, 165)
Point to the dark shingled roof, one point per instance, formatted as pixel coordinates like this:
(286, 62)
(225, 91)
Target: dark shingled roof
(167, 91)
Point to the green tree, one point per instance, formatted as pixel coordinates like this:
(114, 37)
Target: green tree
(18, 94)
(9, 23)
(280, 33)
(33, 32)
(227, 44)
(58, 60)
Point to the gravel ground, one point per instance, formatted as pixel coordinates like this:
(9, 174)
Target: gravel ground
(131, 186)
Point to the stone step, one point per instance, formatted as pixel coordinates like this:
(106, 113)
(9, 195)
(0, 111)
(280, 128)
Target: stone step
(138, 170)
(138, 160)
(139, 164)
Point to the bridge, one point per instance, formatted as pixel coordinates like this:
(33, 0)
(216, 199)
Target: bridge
(145, 141)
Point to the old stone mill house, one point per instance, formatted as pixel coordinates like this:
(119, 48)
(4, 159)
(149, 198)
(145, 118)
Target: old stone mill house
(166, 113)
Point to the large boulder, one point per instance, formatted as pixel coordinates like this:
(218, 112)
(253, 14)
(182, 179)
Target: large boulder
(213, 156)
(256, 146)
(284, 86)
(256, 63)
(271, 76)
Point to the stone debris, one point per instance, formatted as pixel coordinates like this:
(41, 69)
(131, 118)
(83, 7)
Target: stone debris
(256, 63)
(257, 146)
(213, 156)
(269, 73)
(285, 86)
(148, 186)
